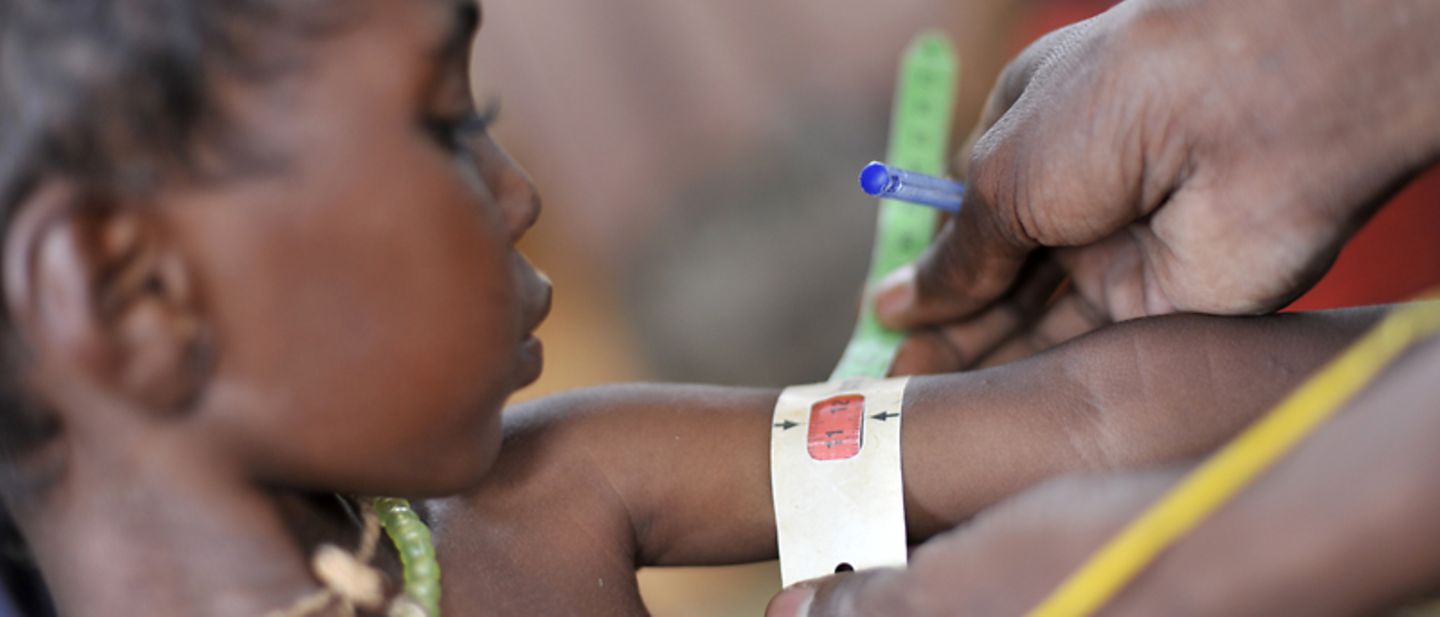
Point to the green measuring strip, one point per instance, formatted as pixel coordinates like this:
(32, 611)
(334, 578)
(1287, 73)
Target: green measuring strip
(919, 141)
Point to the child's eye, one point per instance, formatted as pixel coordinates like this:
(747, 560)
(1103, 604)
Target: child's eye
(452, 131)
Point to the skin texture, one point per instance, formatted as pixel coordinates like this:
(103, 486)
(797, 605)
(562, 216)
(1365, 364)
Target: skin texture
(224, 357)
(592, 485)
(1171, 155)
(1265, 553)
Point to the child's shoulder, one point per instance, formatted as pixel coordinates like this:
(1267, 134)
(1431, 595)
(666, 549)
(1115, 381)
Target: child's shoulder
(546, 532)
(568, 512)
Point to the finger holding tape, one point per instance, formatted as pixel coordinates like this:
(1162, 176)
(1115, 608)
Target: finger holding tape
(871, 593)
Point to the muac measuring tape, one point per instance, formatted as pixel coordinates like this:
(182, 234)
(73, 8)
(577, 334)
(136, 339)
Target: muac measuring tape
(833, 509)
(835, 450)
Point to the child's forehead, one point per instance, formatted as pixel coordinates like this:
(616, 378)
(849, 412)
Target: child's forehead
(418, 34)
(433, 26)
(445, 23)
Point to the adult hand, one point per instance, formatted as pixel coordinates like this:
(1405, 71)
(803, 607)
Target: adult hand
(1263, 553)
(1177, 155)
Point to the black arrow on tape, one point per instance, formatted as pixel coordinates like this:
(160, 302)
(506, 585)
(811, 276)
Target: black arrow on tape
(786, 425)
(884, 415)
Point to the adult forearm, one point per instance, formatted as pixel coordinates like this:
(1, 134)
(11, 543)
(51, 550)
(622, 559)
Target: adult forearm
(1133, 395)
(1343, 526)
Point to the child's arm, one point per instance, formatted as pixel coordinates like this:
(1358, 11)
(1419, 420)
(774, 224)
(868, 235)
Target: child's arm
(592, 484)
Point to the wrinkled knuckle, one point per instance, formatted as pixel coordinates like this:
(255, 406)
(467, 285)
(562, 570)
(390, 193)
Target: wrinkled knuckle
(988, 172)
(960, 163)
(984, 158)
(998, 184)
(1044, 52)
(1014, 78)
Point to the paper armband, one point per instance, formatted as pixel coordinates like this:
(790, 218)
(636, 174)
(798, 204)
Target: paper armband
(835, 477)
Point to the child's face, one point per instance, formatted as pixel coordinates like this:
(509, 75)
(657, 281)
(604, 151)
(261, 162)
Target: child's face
(369, 307)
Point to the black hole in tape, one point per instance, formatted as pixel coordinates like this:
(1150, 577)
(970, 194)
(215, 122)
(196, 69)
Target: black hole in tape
(844, 567)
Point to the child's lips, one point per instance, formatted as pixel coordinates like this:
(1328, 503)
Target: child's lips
(539, 305)
(532, 352)
(532, 360)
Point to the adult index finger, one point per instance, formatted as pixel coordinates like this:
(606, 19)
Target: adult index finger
(974, 260)
(959, 345)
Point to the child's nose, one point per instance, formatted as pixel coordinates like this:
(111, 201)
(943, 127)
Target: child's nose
(519, 203)
(514, 193)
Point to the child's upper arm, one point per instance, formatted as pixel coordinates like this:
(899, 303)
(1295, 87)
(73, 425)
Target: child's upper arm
(593, 484)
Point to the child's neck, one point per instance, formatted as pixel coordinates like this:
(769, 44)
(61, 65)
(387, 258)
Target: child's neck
(174, 535)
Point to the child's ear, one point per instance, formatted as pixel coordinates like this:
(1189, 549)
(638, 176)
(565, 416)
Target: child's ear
(100, 291)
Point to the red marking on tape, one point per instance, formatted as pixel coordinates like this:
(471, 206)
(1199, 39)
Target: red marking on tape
(836, 427)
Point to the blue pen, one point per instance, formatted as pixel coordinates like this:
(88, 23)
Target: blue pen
(886, 182)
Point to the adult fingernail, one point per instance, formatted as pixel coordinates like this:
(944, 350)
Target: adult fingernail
(895, 295)
(793, 602)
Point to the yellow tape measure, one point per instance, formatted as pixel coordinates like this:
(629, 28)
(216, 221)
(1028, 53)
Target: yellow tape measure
(1236, 466)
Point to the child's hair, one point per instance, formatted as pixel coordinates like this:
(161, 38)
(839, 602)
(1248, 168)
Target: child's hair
(20, 580)
(111, 96)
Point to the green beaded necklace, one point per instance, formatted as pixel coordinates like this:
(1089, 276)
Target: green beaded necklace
(417, 556)
(349, 580)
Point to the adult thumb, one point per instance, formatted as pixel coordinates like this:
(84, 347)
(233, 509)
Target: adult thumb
(869, 593)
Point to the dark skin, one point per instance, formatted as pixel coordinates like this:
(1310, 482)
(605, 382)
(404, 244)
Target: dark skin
(225, 357)
(216, 349)
(1182, 155)
(1170, 156)
(571, 503)
(1343, 526)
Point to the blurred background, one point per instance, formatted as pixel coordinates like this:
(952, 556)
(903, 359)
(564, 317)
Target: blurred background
(692, 152)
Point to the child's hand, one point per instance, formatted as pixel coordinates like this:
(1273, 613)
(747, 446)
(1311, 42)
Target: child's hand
(1181, 156)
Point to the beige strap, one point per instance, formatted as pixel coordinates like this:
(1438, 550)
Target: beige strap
(835, 476)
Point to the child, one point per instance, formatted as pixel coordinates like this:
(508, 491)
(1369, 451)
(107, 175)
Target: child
(259, 253)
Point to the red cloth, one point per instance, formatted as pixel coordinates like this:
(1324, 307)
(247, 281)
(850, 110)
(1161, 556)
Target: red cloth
(1396, 255)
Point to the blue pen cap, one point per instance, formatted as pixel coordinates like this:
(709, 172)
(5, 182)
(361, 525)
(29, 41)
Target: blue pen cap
(880, 180)
(875, 178)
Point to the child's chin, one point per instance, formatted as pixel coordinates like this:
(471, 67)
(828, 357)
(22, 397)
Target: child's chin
(443, 474)
(448, 483)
